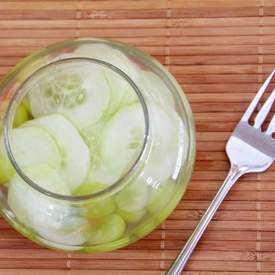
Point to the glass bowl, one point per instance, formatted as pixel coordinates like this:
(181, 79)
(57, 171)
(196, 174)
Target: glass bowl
(97, 145)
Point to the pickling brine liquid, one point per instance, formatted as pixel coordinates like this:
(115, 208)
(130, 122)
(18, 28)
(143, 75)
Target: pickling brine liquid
(92, 155)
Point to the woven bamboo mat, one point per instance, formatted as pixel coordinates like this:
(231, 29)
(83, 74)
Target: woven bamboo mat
(220, 51)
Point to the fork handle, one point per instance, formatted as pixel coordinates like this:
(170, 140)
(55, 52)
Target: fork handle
(233, 175)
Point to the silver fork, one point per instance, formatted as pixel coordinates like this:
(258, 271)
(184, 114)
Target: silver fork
(249, 150)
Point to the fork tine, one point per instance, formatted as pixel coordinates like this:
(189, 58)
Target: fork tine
(261, 116)
(257, 98)
(271, 126)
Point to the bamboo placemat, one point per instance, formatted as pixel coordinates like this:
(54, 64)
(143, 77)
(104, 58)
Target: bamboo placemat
(220, 51)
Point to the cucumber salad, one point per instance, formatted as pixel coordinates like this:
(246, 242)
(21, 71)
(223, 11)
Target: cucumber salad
(79, 130)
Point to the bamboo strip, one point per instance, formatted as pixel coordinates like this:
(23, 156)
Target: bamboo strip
(225, 225)
(16, 244)
(223, 22)
(123, 23)
(112, 27)
(26, 15)
(269, 3)
(210, 165)
(242, 185)
(220, 215)
(228, 205)
(218, 175)
(222, 117)
(215, 22)
(217, 245)
(224, 273)
(28, 42)
(222, 235)
(209, 146)
(218, 78)
(123, 14)
(118, 272)
(224, 215)
(240, 42)
(120, 4)
(45, 264)
(213, 3)
(124, 33)
(215, 50)
(209, 60)
(12, 271)
(212, 136)
(218, 40)
(108, 24)
(219, 266)
(232, 196)
(213, 69)
(215, 127)
(25, 34)
(268, 266)
(217, 31)
(218, 12)
(269, 11)
(170, 254)
(240, 97)
(211, 156)
(33, 5)
(267, 236)
(268, 246)
(221, 60)
(70, 33)
(114, 264)
(214, 107)
(82, 5)
(53, 25)
(9, 61)
(268, 49)
(247, 267)
(16, 51)
(74, 272)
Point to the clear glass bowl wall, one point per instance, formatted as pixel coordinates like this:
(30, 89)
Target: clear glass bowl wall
(96, 215)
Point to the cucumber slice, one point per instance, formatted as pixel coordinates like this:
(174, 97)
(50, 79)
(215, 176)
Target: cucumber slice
(81, 94)
(21, 116)
(53, 220)
(161, 196)
(123, 137)
(164, 154)
(6, 169)
(99, 173)
(131, 217)
(97, 208)
(89, 188)
(22, 198)
(108, 230)
(18, 198)
(26, 104)
(121, 92)
(30, 146)
(109, 55)
(75, 153)
(132, 201)
(154, 86)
